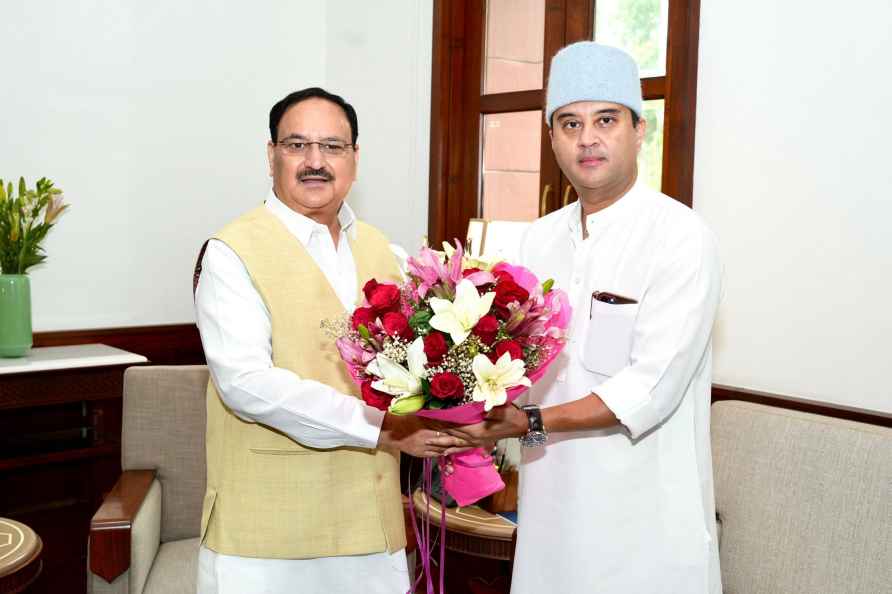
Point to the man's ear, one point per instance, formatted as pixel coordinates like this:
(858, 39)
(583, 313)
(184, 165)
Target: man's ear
(270, 155)
(640, 132)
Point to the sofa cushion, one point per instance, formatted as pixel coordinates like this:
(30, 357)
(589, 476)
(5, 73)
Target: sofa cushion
(175, 570)
(164, 428)
(805, 501)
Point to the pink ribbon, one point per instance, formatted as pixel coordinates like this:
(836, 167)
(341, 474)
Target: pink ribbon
(423, 533)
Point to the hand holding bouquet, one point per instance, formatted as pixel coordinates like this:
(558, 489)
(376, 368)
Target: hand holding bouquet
(458, 338)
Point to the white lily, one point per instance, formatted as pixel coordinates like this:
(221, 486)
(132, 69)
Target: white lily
(457, 318)
(494, 379)
(396, 380)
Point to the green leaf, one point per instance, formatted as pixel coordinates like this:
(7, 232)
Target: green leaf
(364, 332)
(420, 321)
(421, 318)
(436, 404)
(21, 229)
(547, 285)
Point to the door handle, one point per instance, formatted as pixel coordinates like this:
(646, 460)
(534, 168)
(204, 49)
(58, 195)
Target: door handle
(566, 199)
(543, 202)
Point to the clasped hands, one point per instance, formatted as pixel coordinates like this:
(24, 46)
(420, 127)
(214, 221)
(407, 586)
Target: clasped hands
(426, 438)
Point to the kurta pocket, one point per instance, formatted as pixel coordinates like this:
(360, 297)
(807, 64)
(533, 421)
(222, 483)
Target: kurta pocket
(608, 338)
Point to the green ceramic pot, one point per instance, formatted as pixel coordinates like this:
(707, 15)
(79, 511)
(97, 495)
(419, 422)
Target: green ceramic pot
(15, 315)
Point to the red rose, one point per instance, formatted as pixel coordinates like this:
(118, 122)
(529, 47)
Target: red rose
(384, 298)
(363, 315)
(468, 272)
(506, 346)
(435, 347)
(396, 324)
(447, 386)
(486, 329)
(508, 291)
(375, 398)
(369, 288)
(502, 276)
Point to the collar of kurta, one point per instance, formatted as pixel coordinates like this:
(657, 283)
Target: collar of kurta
(603, 218)
(304, 227)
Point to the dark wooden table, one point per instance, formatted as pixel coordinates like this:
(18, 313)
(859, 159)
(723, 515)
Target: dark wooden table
(20, 556)
(60, 450)
(479, 544)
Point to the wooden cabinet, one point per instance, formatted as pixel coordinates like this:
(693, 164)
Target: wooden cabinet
(60, 450)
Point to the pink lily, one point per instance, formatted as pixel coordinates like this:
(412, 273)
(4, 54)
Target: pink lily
(433, 273)
(353, 353)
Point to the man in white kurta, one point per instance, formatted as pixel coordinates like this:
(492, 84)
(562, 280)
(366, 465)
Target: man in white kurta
(235, 333)
(312, 155)
(619, 499)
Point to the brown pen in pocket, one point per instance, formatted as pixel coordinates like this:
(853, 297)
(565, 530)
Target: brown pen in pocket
(607, 297)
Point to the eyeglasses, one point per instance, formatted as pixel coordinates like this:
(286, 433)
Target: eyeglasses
(302, 147)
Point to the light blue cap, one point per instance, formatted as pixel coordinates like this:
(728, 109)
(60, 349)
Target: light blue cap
(589, 71)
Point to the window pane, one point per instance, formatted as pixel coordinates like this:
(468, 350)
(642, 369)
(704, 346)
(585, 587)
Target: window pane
(650, 161)
(515, 40)
(637, 26)
(510, 171)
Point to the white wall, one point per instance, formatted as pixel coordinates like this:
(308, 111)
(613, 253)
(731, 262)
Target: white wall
(792, 172)
(152, 116)
(379, 57)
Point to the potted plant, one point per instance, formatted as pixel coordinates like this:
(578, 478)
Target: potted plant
(24, 222)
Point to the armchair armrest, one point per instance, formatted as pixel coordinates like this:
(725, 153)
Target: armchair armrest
(110, 528)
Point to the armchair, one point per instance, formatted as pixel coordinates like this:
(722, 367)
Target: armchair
(144, 537)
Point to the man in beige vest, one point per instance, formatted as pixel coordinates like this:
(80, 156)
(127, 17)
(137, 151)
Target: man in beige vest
(303, 483)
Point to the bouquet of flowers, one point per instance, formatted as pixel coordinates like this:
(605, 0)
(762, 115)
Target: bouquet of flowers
(458, 337)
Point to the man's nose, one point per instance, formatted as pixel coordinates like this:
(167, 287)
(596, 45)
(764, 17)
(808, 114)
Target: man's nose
(589, 136)
(314, 157)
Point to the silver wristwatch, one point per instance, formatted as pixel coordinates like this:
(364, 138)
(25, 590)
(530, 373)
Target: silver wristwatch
(536, 435)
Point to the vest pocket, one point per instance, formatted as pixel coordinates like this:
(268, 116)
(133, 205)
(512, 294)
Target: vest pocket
(278, 452)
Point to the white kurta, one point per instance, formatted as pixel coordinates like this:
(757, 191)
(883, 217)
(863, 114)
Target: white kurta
(236, 334)
(629, 509)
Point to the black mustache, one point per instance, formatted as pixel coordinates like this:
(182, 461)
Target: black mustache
(586, 154)
(310, 172)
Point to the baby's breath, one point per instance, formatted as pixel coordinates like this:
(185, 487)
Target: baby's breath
(407, 294)
(536, 353)
(395, 349)
(337, 327)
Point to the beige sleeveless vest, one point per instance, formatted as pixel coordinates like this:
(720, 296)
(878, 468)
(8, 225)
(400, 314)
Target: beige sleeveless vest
(267, 495)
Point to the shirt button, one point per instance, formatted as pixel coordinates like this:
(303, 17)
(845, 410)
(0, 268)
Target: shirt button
(577, 280)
